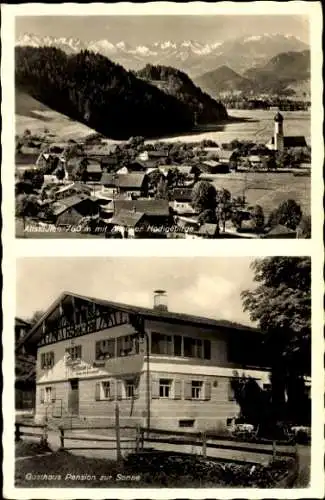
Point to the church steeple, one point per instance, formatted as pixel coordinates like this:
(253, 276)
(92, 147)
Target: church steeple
(278, 132)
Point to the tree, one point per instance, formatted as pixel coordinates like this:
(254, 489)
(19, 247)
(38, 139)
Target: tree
(79, 173)
(162, 189)
(224, 206)
(304, 228)
(26, 206)
(288, 214)
(208, 217)
(257, 216)
(253, 401)
(36, 317)
(60, 173)
(204, 196)
(281, 304)
(35, 177)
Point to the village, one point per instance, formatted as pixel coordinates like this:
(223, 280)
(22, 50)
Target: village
(140, 189)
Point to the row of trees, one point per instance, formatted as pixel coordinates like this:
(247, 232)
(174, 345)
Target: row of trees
(217, 206)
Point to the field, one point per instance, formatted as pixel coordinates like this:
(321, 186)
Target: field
(36, 117)
(267, 189)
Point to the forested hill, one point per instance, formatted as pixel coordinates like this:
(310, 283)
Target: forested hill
(90, 88)
(176, 83)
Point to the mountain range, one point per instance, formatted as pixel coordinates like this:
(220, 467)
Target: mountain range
(281, 74)
(193, 57)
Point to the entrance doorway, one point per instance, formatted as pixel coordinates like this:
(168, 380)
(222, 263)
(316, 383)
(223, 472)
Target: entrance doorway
(73, 401)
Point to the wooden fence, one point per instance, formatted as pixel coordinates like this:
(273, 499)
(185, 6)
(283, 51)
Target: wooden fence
(203, 442)
(21, 432)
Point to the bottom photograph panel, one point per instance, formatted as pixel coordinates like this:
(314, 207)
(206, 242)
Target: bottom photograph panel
(163, 372)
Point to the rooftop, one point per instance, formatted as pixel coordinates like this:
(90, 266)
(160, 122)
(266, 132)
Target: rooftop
(35, 333)
(147, 206)
(126, 218)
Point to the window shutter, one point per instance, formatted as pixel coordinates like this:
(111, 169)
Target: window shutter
(207, 349)
(42, 395)
(187, 389)
(178, 389)
(112, 390)
(97, 391)
(155, 388)
(119, 389)
(136, 391)
(53, 394)
(207, 390)
(231, 394)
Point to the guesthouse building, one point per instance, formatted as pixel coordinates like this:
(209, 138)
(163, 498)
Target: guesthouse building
(164, 369)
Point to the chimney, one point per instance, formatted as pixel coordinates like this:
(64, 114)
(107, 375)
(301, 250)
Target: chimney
(160, 300)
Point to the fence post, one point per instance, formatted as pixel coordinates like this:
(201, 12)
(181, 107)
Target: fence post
(61, 438)
(44, 436)
(137, 439)
(141, 439)
(117, 431)
(17, 432)
(274, 449)
(204, 444)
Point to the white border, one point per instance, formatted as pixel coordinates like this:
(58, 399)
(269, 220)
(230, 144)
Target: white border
(19, 248)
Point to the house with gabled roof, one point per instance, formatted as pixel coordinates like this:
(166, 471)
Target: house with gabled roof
(71, 210)
(164, 369)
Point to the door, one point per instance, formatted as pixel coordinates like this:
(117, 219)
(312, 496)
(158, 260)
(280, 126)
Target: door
(73, 402)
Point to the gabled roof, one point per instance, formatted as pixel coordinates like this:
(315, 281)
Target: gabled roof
(147, 206)
(224, 154)
(280, 230)
(94, 167)
(58, 207)
(161, 153)
(126, 218)
(22, 322)
(108, 179)
(145, 312)
(131, 181)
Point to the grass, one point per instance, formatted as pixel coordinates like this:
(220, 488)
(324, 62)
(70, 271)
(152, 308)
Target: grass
(62, 469)
(267, 189)
(35, 116)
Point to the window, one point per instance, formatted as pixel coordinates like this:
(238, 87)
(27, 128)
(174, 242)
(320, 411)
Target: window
(186, 423)
(193, 348)
(47, 395)
(207, 349)
(47, 360)
(196, 389)
(161, 344)
(177, 345)
(73, 353)
(127, 345)
(129, 390)
(104, 391)
(165, 388)
(105, 349)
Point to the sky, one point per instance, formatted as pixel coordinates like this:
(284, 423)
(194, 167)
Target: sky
(204, 286)
(139, 29)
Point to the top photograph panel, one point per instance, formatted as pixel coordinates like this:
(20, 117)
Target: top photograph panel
(147, 126)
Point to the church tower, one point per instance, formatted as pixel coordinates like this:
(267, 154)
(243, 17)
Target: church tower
(278, 132)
